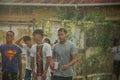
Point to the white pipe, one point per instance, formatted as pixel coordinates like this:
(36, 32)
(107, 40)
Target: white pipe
(64, 5)
(23, 23)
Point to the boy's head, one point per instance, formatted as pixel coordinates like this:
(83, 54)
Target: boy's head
(38, 35)
(62, 34)
(10, 36)
(47, 40)
(27, 40)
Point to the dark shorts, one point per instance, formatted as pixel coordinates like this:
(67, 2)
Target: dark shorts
(28, 74)
(51, 75)
(116, 67)
(9, 76)
(61, 78)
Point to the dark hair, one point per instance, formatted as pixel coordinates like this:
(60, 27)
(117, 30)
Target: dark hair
(38, 31)
(56, 41)
(63, 30)
(115, 41)
(47, 40)
(26, 38)
(11, 32)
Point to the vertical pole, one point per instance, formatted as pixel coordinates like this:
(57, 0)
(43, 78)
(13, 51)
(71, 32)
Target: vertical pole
(10, 26)
(85, 65)
(43, 24)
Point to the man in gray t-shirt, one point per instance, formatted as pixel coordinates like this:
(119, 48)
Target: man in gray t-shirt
(64, 53)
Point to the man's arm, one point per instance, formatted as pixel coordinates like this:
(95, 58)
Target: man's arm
(20, 66)
(33, 63)
(48, 56)
(46, 68)
(33, 69)
(47, 64)
(18, 42)
(71, 63)
(73, 58)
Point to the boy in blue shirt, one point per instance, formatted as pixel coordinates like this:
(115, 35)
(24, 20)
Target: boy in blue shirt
(11, 59)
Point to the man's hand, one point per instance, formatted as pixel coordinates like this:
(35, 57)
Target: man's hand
(64, 67)
(44, 75)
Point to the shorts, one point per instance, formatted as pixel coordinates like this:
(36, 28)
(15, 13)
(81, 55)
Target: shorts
(9, 76)
(28, 74)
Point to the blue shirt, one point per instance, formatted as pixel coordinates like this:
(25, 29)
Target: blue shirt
(10, 58)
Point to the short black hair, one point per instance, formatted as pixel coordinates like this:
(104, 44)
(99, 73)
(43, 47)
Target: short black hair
(26, 38)
(47, 40)
(11, 32)
(63, 30)
(38, 31)
(56, 41)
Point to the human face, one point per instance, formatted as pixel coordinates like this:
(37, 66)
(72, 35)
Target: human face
(37, 38)
(62, 36)
(9, 37)
(28, 43)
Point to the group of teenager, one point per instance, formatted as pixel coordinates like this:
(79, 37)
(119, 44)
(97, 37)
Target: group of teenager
(42, 61)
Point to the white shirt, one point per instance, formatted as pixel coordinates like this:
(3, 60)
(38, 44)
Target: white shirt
(116, 51)
(46, 52)
(28, 59)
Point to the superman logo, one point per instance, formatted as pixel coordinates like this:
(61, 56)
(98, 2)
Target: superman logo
(10, 54)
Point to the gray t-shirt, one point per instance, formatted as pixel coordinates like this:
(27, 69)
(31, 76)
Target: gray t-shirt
(63, 53)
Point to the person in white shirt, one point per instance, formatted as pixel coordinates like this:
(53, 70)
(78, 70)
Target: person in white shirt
(27, 46)
(40, 57)
(116, 57)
